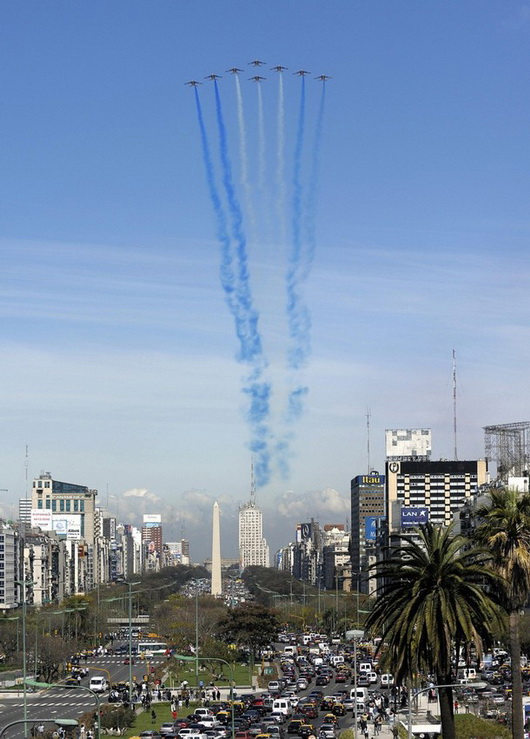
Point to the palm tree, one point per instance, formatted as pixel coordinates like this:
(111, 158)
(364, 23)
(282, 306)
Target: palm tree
(504, 529)
(431, 595)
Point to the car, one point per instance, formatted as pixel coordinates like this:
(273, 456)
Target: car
(363, 681)
(302, 683)
(327, 731)
(242, 735)
(498, 699)
(293, 727)
(306, 730)
(322, 680)
(128, 661)
(150, 734)
(167, 727)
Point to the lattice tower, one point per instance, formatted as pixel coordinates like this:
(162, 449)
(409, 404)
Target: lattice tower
(507, 444)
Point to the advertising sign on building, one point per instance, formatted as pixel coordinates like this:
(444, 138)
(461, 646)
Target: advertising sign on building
(414, 516)
(305, 530)
(41, 519)
(67, 525)
(152, 520)
(371, 527)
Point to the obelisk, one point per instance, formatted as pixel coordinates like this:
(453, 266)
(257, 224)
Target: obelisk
(217, 587)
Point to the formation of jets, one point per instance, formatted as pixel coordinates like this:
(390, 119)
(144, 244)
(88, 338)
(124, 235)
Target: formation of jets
(257, 77)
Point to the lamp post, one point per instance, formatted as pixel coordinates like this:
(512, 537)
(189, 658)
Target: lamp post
(47, 686)
(353, 635)
(23, 584)
(426, 690)
(65, 723)
(185, 658)
(130, 587)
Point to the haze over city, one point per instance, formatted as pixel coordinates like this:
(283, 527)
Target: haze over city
(121, 367)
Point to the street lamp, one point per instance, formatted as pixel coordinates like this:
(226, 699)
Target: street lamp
(353, 635)
(426, 690)
(185, 658)
(47, 686)
(22, 584)
(65, 723)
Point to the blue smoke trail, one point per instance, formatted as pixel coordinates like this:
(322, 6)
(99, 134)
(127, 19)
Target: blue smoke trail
(251, 349)
(297, 314)
(251, 346)
(243, 157)
(226, 270)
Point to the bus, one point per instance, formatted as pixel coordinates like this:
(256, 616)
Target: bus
(149, 648)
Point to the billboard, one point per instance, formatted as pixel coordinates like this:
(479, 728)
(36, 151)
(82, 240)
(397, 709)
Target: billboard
(305, 530)
(41, 519)
(370, 527)
(152, 520)
(67, 525)
(414, 516)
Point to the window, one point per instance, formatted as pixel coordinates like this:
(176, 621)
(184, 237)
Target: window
(39, 503)
(68, 505)
(61, 505)
(54, 505)
(47, 484)
(76, 505)
(47, 503)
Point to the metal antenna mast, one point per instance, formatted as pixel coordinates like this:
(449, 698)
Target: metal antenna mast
(252, 484)
(26, 463)
(368, 439)
(454, 402)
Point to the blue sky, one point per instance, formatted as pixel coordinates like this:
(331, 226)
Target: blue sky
(118, 350)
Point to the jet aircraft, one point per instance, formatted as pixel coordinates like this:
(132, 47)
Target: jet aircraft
(193, 83)
(256, 63)
(234, 70)
(302, 72)
(278, 68)
(213, 77)
(323, 77)
(257, 78)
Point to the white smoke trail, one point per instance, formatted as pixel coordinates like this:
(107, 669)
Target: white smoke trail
(280, 164)
(243, 157)
(261, 142)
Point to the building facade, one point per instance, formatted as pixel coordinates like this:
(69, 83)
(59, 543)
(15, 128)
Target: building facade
(431, 490)
(253, 548)
(368, 505)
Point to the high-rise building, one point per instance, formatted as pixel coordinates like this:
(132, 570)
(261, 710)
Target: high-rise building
(367, 508)
(253, 548)
(63, 507)
(152, 530)
(431, 490)
(24, 510)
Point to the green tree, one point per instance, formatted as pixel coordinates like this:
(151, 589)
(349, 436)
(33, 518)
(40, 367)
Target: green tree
(431, 595)
(249, 625)
(504, 529)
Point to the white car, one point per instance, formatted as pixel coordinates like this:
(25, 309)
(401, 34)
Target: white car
(98, 684)
(327, 731)
(387, 680)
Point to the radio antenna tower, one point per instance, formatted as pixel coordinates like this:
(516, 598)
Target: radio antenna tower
(252, 484)
(454, 403)
(368, 439)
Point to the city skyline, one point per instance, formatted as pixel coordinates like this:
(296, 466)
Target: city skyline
(120, 365)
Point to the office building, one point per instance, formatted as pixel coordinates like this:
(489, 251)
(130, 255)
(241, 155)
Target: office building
(63, 507)
(430, 490)
(253, 548)
(152, 531)
(368, 506)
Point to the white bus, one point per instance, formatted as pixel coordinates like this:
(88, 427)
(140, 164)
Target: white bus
(149, 648)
